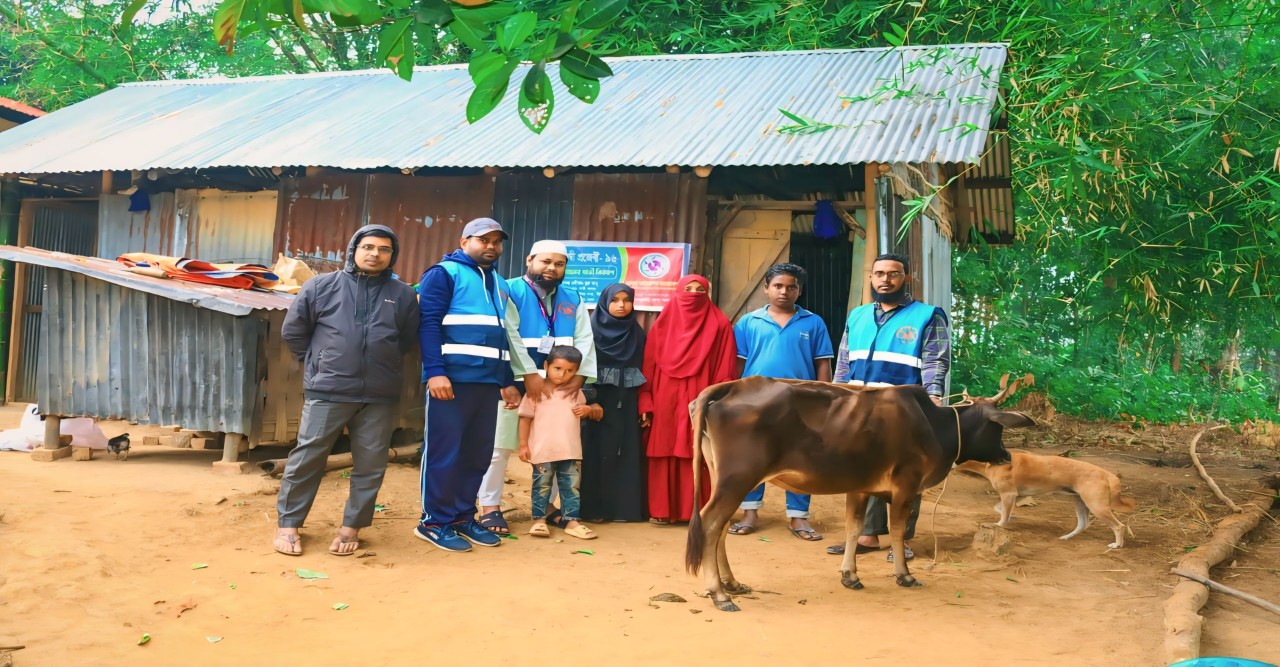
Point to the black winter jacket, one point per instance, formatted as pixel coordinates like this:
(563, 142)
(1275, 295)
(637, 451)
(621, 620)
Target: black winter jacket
(352, 330)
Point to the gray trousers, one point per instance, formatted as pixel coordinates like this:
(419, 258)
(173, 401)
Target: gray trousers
(877, 519)
(370, 426)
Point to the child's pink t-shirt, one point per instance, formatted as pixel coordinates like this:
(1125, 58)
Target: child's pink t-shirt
(555, 434)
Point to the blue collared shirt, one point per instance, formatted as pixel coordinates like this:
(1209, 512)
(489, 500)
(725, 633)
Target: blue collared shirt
(789, 352)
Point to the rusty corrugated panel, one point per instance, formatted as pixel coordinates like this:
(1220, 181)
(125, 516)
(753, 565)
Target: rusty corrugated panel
(694, 109)
(656, 208)
(427, 213)
(156, 230)
(531, 207)
(229, 226)
(319, 214)
(110, 352)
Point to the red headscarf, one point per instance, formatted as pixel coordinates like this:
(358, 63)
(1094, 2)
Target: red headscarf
(687, 331)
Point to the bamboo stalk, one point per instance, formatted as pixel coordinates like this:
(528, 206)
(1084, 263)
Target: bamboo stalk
(410, 452)
(1251, 599)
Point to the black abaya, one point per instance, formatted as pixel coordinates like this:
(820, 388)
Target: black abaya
(614, 465)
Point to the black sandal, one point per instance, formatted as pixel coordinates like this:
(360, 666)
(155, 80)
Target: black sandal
(495, 523)
(556, 519)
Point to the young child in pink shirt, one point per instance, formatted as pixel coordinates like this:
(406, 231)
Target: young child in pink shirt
(551, 439)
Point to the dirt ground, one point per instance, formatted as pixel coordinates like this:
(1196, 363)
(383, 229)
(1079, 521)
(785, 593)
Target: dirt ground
(97, 553)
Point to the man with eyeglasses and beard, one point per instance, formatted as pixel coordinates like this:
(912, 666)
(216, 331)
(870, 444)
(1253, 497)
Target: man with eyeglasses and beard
(550, 314)
(351, 329)
(895, 340)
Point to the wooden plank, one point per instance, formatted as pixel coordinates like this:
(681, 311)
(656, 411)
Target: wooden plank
(851, 222)
(726, 218)
(753, 282)
(800, 205)
(758, 234)
(26, 216)
(873, 227)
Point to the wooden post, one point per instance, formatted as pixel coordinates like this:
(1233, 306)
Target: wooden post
(873, 226)
(231, 463)
(52, 448)
(108, 178)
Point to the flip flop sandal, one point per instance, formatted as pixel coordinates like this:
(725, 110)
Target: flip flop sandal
(741, 529)
(659, 522)
(345, 540)
(291, 539)
(581, 532)
(539, 530)
(556, 519)
(495, 523)
(807, 534)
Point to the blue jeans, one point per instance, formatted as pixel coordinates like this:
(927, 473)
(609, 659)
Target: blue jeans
(568, 475)
(797, 503)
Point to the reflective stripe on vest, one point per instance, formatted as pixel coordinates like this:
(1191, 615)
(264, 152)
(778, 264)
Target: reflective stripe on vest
(888, 354)
(475, 340)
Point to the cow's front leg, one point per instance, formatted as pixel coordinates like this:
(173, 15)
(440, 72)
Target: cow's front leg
(899, 509)
(855, 514)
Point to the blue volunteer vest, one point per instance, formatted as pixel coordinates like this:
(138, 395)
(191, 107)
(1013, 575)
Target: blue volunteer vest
(475, 342)
(888, 354)
(533, 321)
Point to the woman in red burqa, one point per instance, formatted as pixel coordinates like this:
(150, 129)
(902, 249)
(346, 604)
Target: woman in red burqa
(690, 348)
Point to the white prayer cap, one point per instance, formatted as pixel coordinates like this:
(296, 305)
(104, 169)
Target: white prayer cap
(549, 247)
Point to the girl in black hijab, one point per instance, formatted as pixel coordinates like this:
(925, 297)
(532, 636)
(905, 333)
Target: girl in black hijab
(613, 456)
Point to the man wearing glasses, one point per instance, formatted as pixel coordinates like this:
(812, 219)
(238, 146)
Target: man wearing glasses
(895, 340)
(351, 329)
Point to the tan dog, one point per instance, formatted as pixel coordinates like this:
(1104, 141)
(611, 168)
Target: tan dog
(1094, 489)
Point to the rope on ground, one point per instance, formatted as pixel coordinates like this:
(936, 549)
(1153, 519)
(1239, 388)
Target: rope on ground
(1204, 474)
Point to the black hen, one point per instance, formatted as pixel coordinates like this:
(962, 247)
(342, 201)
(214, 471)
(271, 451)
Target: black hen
(119, 444)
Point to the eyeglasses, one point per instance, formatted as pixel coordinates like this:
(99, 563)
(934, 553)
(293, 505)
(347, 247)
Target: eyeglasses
(380, 249)
(892, 275)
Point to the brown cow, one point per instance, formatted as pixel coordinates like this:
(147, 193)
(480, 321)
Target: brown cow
(820, 438)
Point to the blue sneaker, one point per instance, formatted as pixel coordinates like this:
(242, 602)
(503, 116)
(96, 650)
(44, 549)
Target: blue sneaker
(471, 531)
(442, 537)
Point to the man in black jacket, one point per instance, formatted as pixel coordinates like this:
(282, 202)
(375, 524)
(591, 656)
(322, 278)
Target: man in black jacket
(351, 329)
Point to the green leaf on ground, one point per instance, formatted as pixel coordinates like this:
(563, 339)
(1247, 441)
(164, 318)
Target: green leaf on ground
(213, 640)
(309, 574)
(199, 566)
(509, 537)
(144, 639)
(231, 586)
(764, 539)
(339, 606)
(587, 552)
(379, 508)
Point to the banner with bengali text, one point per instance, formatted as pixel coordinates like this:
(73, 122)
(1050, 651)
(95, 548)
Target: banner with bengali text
(652, 269)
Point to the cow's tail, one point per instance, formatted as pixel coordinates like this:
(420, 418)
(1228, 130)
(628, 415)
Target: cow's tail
(697, 540)
(1118, 501)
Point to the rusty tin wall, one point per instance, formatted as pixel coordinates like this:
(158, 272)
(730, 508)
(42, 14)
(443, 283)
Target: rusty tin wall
(208, 224)
(654, 208)
(109, 352)
(319, 214)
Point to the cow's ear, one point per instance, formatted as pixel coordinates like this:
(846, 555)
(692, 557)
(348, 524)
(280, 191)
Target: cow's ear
(1013, 419)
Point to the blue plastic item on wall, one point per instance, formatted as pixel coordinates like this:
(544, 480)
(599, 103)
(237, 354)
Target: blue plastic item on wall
(826, 224)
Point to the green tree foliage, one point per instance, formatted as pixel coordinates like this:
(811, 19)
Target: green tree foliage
(1144, 141)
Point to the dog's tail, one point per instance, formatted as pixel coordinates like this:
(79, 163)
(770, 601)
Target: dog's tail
(1118, 501)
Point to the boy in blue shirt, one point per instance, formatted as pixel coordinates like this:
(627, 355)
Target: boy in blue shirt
(782, 340)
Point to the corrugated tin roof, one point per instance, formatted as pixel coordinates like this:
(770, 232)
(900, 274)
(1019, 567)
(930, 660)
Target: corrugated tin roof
(222, 299)
(689, 110)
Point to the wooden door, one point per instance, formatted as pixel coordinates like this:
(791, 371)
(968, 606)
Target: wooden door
(753, 242)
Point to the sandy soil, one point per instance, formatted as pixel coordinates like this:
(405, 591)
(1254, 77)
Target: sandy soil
(96, 553)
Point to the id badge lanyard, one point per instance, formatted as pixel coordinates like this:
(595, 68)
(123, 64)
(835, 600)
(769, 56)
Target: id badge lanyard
(548, 341)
